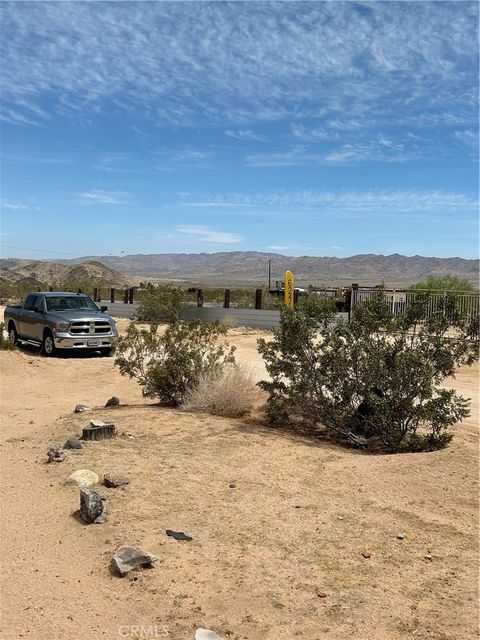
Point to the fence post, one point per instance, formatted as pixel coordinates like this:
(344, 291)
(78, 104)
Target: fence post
(125, 296)
(353, 300)
(130, 296)
(95, 294)
(50, 288)
(295, 297)
(112, 295)
(79, 290)
(258, 298)
(226, 301)
(199, 298)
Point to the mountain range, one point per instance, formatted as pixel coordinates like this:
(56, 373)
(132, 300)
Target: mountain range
(251, 268)
(38, 273)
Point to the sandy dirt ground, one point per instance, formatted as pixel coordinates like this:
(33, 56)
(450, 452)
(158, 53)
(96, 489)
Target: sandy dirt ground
(280, 525)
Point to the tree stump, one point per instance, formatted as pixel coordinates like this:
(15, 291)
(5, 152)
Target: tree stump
(99, 432)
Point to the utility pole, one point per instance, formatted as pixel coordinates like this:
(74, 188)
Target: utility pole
(269, 275)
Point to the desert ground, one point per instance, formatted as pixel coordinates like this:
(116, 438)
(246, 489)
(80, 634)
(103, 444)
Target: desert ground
(292, 538)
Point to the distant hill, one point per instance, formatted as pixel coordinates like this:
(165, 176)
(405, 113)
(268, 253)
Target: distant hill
(51, 273)
(250, 268)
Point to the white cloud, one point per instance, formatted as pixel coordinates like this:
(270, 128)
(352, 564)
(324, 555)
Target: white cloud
(241, 63)
(97, 196)
(468, 137)
(15, 206)
(380, 150)
(309, 134)
(348, 203)
(205, 234)
(244, 134)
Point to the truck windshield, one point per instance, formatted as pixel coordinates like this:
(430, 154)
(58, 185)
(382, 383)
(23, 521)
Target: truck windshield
(70, 303)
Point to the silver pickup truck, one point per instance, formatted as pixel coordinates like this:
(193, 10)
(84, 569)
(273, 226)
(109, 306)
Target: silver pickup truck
(61, 320)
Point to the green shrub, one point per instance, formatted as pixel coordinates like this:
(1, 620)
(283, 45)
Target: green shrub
(374, 380)
(5, 344)
(170, 365)
(444, 283)
(161, 303)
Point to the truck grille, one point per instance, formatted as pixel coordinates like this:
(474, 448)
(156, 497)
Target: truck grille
(94, 327)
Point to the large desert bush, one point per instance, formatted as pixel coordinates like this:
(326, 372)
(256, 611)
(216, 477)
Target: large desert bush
(168, 366)
(376, 379)
(161, 303)
(230, 393)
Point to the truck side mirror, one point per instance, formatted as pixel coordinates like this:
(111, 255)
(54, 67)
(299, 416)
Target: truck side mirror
(102, 309)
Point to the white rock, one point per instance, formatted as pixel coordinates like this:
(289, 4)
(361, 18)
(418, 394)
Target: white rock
(83, 478)
(97, 423)
(81, 408)
(206, 634)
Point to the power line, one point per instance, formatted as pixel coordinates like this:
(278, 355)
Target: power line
(62, 253)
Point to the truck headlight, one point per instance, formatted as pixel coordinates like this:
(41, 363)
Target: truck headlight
(61, 327)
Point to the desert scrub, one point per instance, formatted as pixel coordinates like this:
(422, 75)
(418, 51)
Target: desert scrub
(374, 380)
(171, 365)
(229, 393)
(5, 344)
(161, 303)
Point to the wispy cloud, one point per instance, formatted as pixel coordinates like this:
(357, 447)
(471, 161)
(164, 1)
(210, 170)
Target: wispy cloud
(244, 134)
(205, 234)
(280, 247)
(349, 203)
(468, 137)
(164, 59)
(167, 158)
(379, 150)
(97, 196)
(314, 134)
(15, 206)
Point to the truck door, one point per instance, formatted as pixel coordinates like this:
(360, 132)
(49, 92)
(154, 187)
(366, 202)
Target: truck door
(38, 318)
(29, 317)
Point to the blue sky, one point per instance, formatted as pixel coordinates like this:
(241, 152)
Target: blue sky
(324, 128)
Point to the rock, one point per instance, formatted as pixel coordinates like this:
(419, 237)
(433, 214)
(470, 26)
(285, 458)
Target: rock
(178, 535)
(81, 408)
(73, 443)
(112, 482)
(321, 594)
(92, 507)
(130, 558)
(56, 453)
(232, 485)
(112, 402)
(83, 478)
(366, 554)
(400, 536)
(429, 557)
(206, 634)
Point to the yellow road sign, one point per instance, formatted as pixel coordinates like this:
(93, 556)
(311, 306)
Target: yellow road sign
(289, 289)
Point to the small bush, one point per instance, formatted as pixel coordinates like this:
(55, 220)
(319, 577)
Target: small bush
(162, 303)
(5, 344)
(230, 394)
(169, 366)
(374, 379)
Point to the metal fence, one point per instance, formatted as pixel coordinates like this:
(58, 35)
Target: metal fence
(467, 304)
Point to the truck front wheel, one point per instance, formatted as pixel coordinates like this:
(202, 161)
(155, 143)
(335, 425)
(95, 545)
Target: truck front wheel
(12, 334)
(48, 344)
